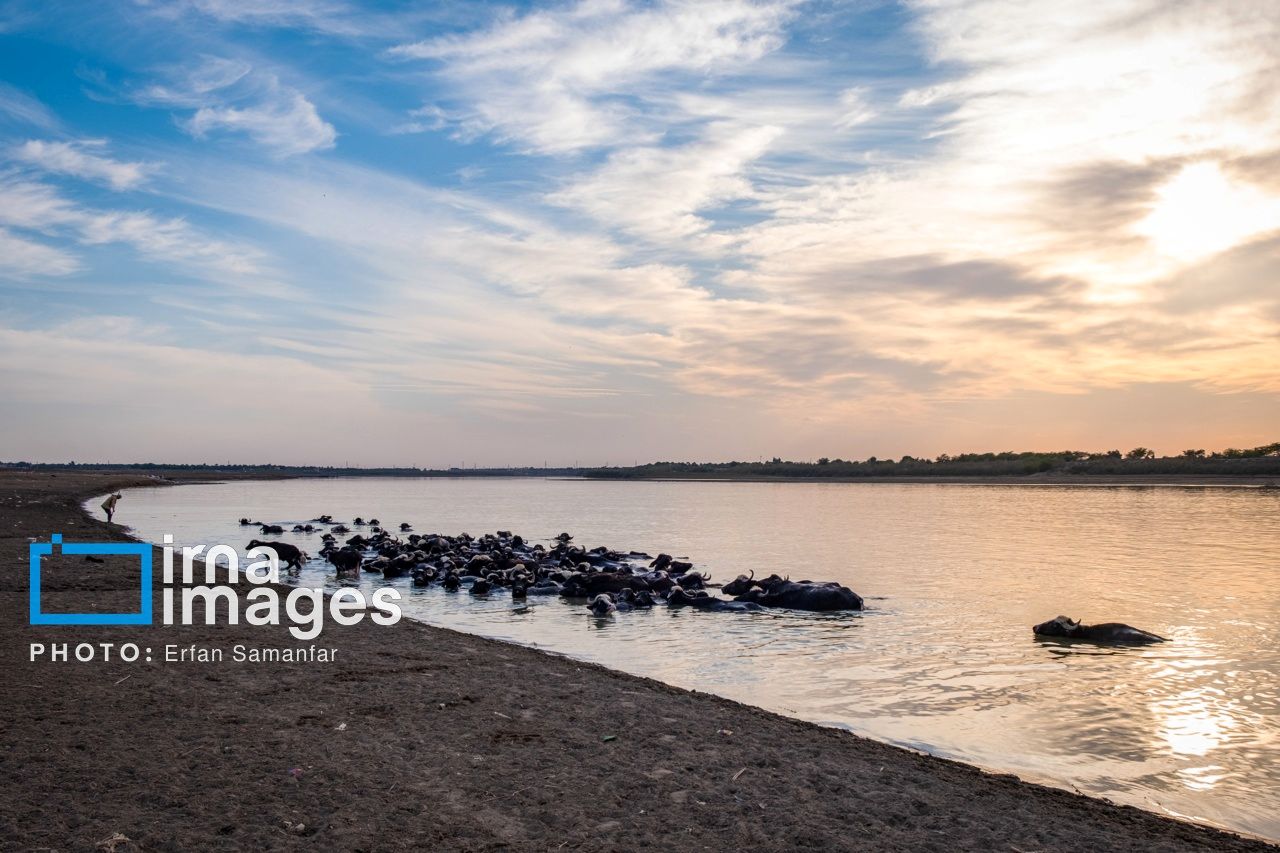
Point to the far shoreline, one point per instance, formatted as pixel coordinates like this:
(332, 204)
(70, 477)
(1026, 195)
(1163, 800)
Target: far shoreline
(162, 476)
(1136, 480)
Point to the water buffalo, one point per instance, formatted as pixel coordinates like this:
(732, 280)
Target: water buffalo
(692, 580)
(290, 555)
(1108, 632)
(602, 605)
(629, 599)
(480, 587)
(702, 601)
(774, 591)
(405, 527)
(741, 584)
(271, 528)
(545, 587)
(245, 522)
(584, 585)
(345, 560)
(451, 582)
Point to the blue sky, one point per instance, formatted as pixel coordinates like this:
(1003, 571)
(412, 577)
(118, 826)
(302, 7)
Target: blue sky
(603, 231)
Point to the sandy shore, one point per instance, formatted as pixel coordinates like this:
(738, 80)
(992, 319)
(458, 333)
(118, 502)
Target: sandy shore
(422, 738)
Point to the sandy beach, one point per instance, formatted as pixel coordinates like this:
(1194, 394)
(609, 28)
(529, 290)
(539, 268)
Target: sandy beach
(417, 737)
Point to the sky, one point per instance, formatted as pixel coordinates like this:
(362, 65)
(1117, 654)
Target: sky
(602, 232)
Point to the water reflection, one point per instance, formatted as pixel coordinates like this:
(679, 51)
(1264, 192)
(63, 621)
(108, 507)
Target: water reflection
(944, 659)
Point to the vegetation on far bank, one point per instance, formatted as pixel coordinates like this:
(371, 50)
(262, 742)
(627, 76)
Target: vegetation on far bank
(1262, 461)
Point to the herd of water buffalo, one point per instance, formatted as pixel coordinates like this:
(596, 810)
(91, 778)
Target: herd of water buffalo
(610, 581)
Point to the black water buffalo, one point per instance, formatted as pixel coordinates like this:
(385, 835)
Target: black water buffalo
(545, 587)
(702, 601)
(290, 555)
(1114, 633)
(271, 528)
(345, 560)
(629, 599)
(451, 582)
(740, 585)
(774, 591)
(480, 587)
(602, 605)
(405, 527)
(692, 580)
(583, 585)
(245, 522)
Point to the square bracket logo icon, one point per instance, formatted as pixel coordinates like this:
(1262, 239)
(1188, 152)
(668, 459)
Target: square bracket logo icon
(139, 549)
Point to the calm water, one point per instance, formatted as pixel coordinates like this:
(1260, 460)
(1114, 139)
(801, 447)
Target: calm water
(944, 659)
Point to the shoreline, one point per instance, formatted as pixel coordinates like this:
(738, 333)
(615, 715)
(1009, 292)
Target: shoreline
(1082, 481)
(488, 743)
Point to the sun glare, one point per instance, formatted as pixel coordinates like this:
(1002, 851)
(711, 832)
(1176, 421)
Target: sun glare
(1201, 212)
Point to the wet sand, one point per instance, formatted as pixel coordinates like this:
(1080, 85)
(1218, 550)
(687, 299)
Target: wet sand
(418, 737)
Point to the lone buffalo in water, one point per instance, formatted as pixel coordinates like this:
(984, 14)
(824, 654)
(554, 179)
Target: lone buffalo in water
(290, 555)
(1115, 633)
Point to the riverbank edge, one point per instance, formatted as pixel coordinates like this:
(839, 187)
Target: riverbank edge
(1027, 480)
(1123, 827)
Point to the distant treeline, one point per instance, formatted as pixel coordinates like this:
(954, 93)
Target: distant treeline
(1261, 461)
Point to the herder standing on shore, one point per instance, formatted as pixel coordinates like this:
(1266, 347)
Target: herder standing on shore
(109, 505)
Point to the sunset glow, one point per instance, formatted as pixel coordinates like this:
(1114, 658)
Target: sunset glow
(509, 235)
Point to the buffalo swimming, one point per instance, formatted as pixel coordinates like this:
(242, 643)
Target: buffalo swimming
(1110, 633)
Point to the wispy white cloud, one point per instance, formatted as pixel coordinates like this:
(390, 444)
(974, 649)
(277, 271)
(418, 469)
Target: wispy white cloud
(287, 124)
(17, 105)
(328, 17)
(559, 80)
(230, 95)
(37, 207)
(657, 191)
(79, 159)
(23, 258)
